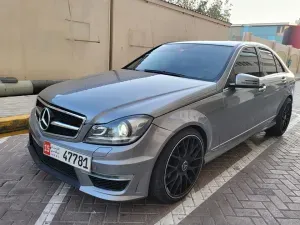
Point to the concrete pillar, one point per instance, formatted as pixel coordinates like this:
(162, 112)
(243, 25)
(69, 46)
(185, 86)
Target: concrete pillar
(288, 62)
(273, 45)
(247, 36)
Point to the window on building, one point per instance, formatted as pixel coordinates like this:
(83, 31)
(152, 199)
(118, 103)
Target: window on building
(279, 29)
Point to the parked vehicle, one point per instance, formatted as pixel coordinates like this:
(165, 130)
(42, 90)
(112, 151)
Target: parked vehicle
(151, 126)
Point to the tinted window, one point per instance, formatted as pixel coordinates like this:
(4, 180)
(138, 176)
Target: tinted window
(279, 66)
(279, 29)
(247, 62)
(199, 61)
(267, 61)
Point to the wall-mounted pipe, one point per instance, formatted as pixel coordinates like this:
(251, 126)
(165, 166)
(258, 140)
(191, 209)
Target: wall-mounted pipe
(11, 87)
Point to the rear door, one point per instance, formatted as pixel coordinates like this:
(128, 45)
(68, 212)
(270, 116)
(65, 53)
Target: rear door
(282, 82)
(275, 80)
(244, 107)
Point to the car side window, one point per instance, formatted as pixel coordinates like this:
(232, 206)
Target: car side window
(267, 61)
(280, 68)
(247, 62)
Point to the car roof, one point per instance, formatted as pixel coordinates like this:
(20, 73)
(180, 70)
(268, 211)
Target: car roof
(222, 43)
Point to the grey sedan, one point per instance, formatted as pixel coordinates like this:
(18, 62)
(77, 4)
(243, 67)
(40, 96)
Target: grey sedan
(149, 128)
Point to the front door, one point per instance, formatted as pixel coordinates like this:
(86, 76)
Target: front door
(244, 107)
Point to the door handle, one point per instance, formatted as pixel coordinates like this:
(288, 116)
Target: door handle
(263, 88)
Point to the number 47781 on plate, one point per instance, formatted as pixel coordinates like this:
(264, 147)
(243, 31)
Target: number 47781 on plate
(67, 156)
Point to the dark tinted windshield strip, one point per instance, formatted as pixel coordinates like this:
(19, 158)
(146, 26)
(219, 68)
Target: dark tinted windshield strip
(192, 60)
(183, 43)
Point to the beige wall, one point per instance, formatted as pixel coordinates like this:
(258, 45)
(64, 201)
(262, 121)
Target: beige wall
(53, 39)
(286, 52)
(294, 56)
(235, 33)
(282, 51)
(149, 23)
(263, 41)
(63, 39)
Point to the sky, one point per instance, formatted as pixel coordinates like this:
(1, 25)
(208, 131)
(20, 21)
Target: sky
(264, 11)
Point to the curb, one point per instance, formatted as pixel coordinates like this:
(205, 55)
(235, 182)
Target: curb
(13, 123)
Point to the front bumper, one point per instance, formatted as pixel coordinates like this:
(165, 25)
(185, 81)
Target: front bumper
(119, 173)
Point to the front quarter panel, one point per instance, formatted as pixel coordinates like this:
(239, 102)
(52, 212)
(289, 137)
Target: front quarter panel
(181, 119)
(204, 114)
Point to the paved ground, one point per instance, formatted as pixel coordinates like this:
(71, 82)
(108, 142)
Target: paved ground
(14, 106)
(265, 192)
(258, 182)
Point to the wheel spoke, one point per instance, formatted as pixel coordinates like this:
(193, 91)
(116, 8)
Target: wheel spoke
(195, 167)
(186, 146)
(188, 179)
(175, 157)
(174, 182)
(173, 167)
(169, 174)
(181, 185)
(194, 149)
(195, 159)
(192, 172)
(175, 186)
(181, 150)
(178, 181)
(184, 182)
(171, 181)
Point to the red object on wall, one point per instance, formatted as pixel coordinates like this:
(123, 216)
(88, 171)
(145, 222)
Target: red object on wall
(292, 36)
(295, 37)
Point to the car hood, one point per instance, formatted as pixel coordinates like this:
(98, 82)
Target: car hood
(114, 94)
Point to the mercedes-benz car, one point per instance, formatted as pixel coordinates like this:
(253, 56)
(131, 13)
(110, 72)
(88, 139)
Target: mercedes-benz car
(148, 128)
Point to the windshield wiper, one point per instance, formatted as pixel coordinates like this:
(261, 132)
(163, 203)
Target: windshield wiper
(165, 73)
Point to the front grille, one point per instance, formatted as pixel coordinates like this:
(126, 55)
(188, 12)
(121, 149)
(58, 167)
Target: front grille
(111, 185)
(53, 163)
(63, 122)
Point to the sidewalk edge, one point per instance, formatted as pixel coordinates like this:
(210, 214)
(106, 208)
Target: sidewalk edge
(13, 123)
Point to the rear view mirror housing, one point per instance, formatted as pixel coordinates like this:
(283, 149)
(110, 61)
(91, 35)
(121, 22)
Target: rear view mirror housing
(243, 80)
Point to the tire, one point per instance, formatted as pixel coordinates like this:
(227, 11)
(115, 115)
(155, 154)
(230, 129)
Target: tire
(178, 167)
(282, 120)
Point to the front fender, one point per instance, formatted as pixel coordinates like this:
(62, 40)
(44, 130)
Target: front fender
(178, 120)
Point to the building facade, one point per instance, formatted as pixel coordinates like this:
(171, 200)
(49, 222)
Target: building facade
(269, 31)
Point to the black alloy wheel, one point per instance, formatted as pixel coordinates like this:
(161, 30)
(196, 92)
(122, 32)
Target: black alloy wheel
(178, 166)
(183, 166)
(286, 117)
(282, 120)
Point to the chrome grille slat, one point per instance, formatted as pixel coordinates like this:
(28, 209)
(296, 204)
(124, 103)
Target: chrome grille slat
(63, 125)
(38, 111)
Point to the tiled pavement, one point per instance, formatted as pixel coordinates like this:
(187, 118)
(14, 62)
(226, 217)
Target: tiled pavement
(267, 191)
(19, 105)
(24, 190)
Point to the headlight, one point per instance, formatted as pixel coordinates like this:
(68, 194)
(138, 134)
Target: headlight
(118, 132)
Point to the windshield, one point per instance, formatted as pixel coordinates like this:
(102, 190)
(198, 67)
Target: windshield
(198, 61)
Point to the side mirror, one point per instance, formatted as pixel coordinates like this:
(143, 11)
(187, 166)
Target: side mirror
(243, 80)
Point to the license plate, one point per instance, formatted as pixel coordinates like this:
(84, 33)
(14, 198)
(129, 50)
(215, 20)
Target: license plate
(67, 156)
